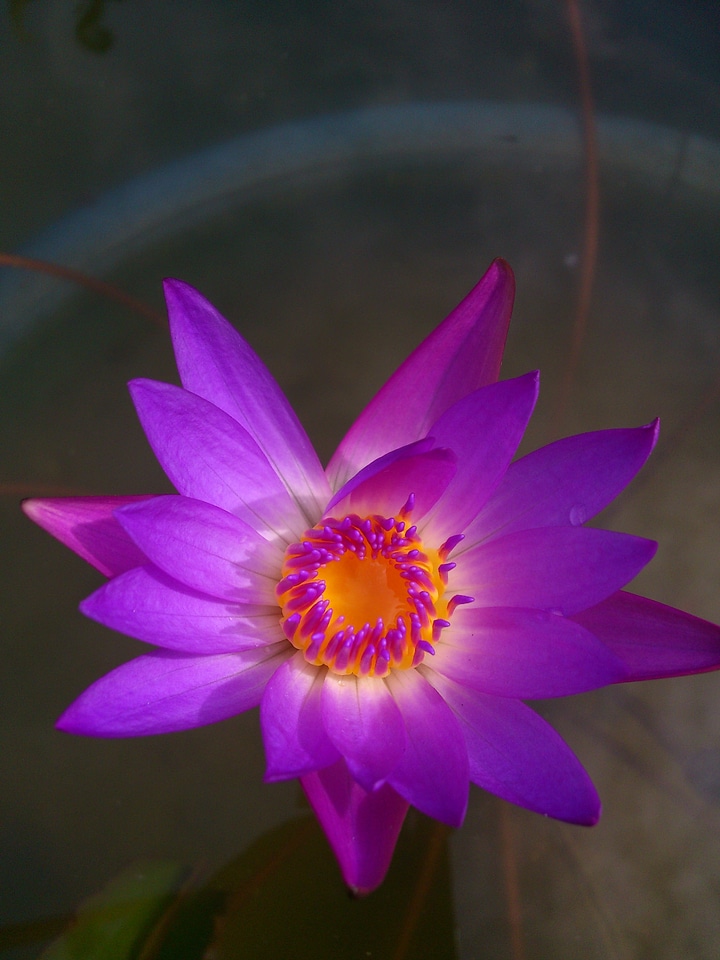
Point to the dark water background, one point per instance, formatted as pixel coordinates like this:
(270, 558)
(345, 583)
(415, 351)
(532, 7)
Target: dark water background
(334, 271)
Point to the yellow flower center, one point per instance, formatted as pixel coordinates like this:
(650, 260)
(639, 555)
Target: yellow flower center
(363, 596)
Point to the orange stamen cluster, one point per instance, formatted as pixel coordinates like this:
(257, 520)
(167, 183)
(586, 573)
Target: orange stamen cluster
(362, 596)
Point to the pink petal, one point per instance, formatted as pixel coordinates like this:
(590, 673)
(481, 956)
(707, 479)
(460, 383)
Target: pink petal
(290, 715)
(462, 354)
(208, 456)
(529, 654)
(87, 525)
(147, 604)
(383, 486)
(162, 692)
(217, 364)
(565, 483)
(651, 639)
(206, 548)
(363, 722)
(362, 828)
(561, 569)
(484, 430)
(515, 754)
(433, 772)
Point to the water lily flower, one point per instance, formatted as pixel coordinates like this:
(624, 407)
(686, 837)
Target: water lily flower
(389, 614)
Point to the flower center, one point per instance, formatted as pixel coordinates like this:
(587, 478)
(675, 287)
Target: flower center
(363, 596)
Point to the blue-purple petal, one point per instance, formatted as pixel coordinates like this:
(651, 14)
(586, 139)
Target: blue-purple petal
(651, 639)
(363, 721)
(462, 354)
(560, 569)
(148, 604)
(383, 486)
(433, 773)
(216, 363)
(164, 691)
(290, 716)
(529, 654)
(565, 483)
(208, 456)
(88, 526)
(206, 548)
(362, 826)
(484, 430)
(516, 755)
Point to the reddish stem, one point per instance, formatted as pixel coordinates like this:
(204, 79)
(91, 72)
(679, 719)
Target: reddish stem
(90, 283)
(592, 212)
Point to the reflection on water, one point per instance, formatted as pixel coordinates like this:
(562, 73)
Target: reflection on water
(344, 276)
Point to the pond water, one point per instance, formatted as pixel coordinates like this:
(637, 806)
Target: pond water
(335, 179)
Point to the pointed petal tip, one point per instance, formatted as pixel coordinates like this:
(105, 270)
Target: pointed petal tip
(652, 429)
(463, 353)
(501, 271)
(595, 818)
(652, 639)
(532, 377)
(362, 828)
(359, 893)
(175, 288)
(34, 508)
(181, 296)
(70, 722)
(178, 296)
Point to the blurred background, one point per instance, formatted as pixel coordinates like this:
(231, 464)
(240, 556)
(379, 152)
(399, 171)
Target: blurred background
(335, 177)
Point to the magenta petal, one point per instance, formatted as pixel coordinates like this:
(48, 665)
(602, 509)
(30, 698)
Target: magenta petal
(484, 430)
(433, 772)
(515, 754)
(290, 715)
(462, 354)
(208, 456)
(87, 525)
(653, 640)
(561, 569)
(363, 721)
(147, 604)
(565, 483)
(217, 364)
(206, 548)
(383, 486)
(362, 827)
(529, 654)
(162, 692)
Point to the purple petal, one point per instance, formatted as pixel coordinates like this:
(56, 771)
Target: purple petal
(290, 715)
(565, 483)
(383, 486)
(561, 569)
(363, 721)
(362, 828)
(147, 604)
(483, 430)
(162, 692)
(87, 525)
(206, 548)
(433, 772)
(529, 654)
(217, 364)
(515, 754)
(651, 639)
(209, 456)
(462, 354)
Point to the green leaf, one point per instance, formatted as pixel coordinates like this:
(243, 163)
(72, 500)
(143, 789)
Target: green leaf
(114, 924)
(284, 898)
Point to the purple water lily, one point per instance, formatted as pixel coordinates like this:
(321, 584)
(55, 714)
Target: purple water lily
(388, 614)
